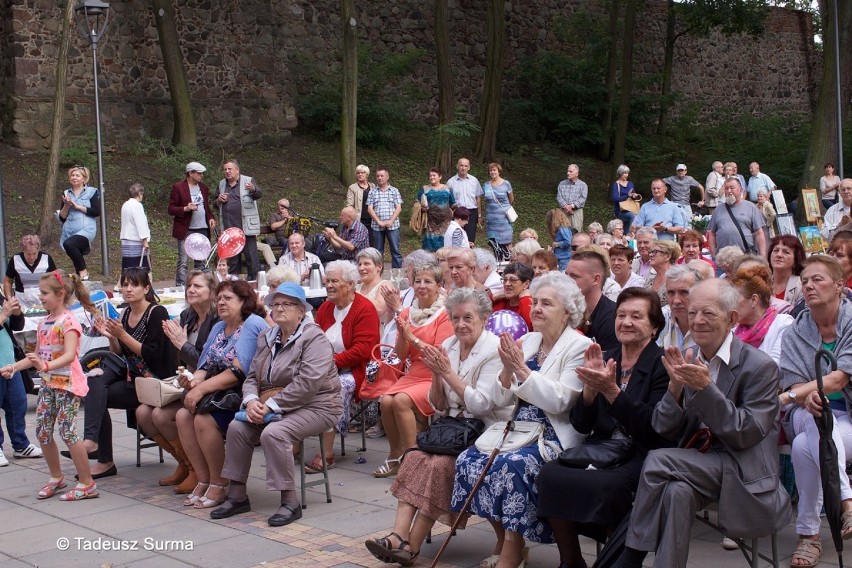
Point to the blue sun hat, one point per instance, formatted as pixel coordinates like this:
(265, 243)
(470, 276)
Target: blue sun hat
(290, 289)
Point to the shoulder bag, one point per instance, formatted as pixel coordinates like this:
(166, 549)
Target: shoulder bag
(450, 435)
(509, 211)
(631, 204)
(522, 435)
(418, 220)
(598, 454)
(746, 247)
(158, 393)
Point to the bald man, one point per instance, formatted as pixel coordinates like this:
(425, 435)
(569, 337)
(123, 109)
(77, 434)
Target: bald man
(353, 237)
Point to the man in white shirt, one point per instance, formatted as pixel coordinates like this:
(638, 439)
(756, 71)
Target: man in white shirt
(299, 259)
(758, 181)
(468, 191)
(836, 214)
(487, 275)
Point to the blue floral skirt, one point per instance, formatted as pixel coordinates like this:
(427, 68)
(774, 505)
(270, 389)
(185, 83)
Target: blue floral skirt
(508, 494)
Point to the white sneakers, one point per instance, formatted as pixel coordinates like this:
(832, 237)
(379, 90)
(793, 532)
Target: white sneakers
(31, 451)
(3, 461)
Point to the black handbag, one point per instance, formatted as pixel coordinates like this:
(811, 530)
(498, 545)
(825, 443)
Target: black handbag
(599, 454)
(449, 435)
(228, 399)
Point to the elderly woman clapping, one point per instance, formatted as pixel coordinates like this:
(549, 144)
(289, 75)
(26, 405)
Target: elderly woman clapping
(827, 323)
(541, 371)
(351, 323)
(291, 392)
(464, 372)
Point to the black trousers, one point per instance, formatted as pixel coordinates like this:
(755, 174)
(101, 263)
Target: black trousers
(235, 265)
(110, 390)
(470, 228)
(77, 247)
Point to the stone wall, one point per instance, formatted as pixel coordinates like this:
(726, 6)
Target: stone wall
(245, 62)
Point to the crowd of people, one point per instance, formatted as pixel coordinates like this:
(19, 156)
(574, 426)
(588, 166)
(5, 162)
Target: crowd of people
(648, 333)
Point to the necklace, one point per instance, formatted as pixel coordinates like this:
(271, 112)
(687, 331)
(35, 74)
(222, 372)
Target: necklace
(625, 377)
(541, 355)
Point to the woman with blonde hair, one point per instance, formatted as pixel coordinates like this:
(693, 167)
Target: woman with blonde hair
(559, 228)
(663, 255)
(498, 198)
(80, 207)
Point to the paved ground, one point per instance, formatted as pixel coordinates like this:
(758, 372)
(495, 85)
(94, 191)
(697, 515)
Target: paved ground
(133, 509)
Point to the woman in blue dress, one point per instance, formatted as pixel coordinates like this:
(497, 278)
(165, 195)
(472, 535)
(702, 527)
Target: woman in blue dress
(622, 190)
(539, 371)
(437, 199)
(81, 205)
(498, 198)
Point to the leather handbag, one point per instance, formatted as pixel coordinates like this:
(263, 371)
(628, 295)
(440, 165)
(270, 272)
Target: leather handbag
(228, 399)
(631, 204)
(511, 214)
(158, 393)
(418, 220)
(524, 434)
(450, 435)
(598, 454)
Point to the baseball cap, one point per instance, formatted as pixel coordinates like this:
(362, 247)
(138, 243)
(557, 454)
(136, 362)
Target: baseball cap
(290, 289)
(680, 167)
(195, 167)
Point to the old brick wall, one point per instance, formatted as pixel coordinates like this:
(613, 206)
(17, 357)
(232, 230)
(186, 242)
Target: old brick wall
(245, 62)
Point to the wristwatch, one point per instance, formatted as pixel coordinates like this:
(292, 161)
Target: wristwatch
(792, 394)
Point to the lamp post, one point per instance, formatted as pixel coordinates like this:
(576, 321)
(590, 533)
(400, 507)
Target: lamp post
(92, 19)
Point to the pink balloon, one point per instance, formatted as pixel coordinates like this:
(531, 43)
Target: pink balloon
(231, 242)
(505, 320)
(197, 246)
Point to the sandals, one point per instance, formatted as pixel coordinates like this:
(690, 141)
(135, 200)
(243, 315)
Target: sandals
(193, 497)
(52, 488)
(316, 464)
(387, 469)
(90, 491)
(383, 549)
(206, 502)
(807, 550)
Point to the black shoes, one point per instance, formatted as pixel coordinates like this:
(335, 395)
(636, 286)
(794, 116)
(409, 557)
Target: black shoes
(230, 508)
(280, 519)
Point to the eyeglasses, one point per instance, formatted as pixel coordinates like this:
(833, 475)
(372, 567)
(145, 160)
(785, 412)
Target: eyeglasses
(656, 251)
(282, 206)
(510, 279)
(283, 305)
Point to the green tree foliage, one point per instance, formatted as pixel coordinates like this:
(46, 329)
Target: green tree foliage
(561, 97)
(385, 96)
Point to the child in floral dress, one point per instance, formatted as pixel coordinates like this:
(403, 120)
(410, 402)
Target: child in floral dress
(63, 382)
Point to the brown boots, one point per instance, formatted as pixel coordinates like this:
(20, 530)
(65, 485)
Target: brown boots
(183, 477)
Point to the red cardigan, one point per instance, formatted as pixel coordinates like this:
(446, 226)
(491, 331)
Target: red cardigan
(179, 199)
(360, 335)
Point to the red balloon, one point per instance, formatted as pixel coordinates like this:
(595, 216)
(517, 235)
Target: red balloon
(231, 242)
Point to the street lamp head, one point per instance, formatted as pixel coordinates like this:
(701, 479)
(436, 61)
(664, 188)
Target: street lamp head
(91, 7)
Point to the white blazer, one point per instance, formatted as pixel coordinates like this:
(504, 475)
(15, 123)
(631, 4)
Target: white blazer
(556, 387)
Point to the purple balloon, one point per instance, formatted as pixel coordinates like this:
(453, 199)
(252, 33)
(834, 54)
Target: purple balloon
(196, 246)
(507, 321)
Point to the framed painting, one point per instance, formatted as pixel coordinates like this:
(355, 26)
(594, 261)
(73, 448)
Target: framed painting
(812, 210)
(811, 239)
(786, 225)
(780, 202)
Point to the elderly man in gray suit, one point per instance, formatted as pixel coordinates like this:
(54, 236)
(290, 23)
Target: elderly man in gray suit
(731, 389)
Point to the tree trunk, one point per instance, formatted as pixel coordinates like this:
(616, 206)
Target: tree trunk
(349, 102)
(668, 63)
(626, 82)
(446, 97)
(489, 111)
(47, 222)
(611, 71)
(823, 143)
(184, 120)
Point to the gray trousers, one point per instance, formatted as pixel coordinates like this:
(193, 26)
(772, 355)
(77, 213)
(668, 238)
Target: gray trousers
(277, 440)
(674, 485)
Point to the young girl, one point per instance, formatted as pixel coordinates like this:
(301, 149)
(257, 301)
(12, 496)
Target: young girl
(559, 227)
(63, 382)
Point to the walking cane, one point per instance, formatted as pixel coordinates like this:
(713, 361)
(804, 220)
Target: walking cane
(510, 425)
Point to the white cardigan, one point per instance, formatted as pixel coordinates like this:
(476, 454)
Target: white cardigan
(479, 372)
(134, 223)
(555, 388)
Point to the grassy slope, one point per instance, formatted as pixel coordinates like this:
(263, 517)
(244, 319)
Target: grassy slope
(305, 170)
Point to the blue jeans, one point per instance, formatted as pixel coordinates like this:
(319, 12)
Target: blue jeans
(13, 400)
(393, 239)
(183, 259)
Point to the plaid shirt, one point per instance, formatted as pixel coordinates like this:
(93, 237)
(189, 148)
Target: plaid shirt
(573, 192)
(357, 235)
(384, 203)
